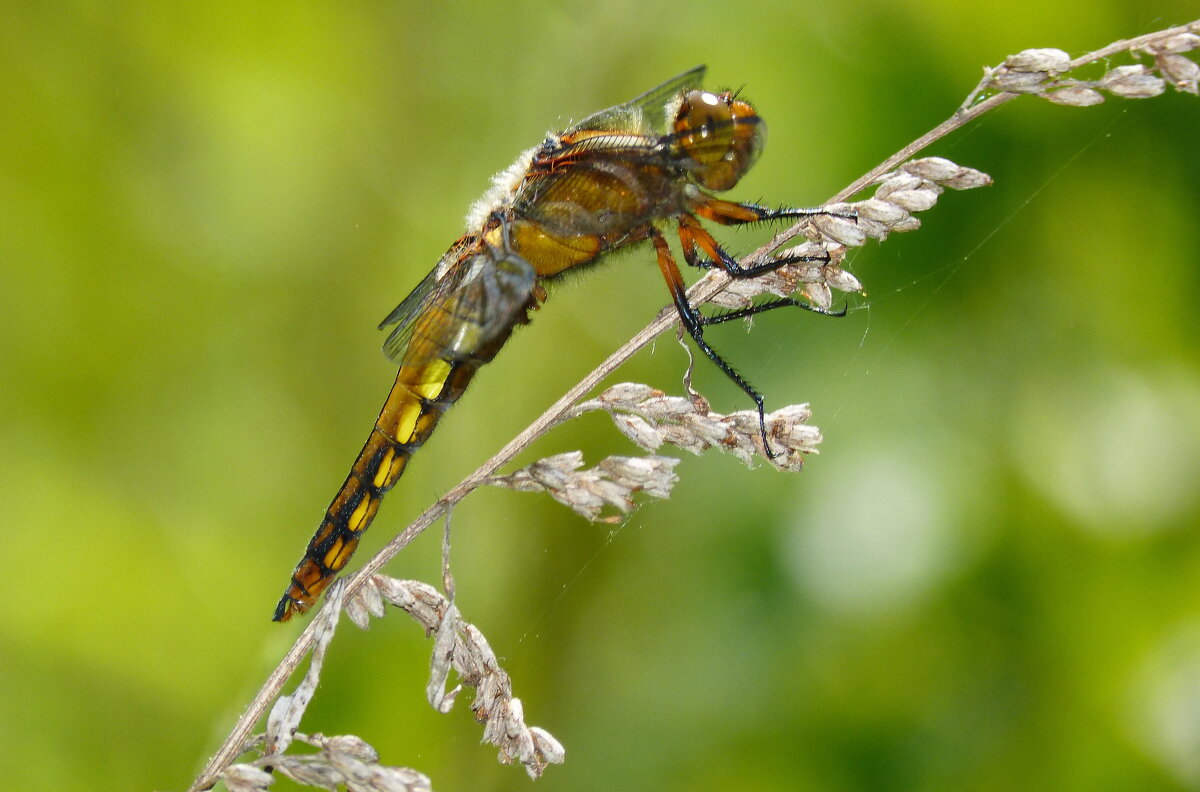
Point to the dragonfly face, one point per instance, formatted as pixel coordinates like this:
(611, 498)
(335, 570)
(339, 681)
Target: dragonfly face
(720, 136)
(607, 182)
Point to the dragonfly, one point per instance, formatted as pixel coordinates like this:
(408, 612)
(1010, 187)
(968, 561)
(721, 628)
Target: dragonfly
(618, 178)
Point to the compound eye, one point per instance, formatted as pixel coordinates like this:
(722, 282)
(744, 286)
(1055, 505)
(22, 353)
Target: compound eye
(720, 135)
(704, 117)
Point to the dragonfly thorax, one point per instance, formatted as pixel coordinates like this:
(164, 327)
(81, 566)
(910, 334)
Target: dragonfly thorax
(718, 136)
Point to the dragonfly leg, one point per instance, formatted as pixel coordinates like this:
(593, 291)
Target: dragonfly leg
(692, 234)
(733, 213)
(694, 322)
(770, 305)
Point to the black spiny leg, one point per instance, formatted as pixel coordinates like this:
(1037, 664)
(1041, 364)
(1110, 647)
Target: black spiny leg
(694, 322)
(729, 213)
(691, 234)
(733, 213)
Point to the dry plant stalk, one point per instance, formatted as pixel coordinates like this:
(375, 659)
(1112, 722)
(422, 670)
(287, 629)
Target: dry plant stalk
(650, 418)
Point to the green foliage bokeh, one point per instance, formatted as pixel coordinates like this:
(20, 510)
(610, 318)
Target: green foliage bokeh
(986, 581)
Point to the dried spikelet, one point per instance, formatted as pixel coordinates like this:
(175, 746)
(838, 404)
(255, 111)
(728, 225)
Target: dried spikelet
(342, 761)
(1030, 70)
(1134, 81)
(464, 649)
(1074, 95)
(1183, 73)
(913, 187)
(1043, 72)
(349, 760)
(613, 482)
(246, 778)
(650, 418)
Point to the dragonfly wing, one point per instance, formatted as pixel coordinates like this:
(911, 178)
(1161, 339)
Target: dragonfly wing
(403, 313)
(645, 114)
(451, 314)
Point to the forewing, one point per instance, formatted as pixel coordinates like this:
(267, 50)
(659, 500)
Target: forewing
(452, 316)
(644, 114)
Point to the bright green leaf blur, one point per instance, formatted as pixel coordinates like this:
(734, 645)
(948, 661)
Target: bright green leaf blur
(988, 580)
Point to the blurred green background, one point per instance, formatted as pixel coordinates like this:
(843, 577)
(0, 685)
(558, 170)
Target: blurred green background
(988, 580)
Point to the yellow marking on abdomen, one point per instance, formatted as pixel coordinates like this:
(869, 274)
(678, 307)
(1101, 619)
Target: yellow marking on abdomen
(387, 477)
(340, 553)
(385, 467)
(356, 522)
(425, 382)
(431, 378)
(331, 555)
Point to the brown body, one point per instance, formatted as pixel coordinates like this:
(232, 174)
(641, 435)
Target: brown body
(604, 184)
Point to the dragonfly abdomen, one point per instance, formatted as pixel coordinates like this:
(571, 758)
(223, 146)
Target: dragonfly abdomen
(419, 398)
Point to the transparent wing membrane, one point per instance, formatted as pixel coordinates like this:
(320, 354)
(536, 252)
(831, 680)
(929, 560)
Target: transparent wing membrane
(644, 114)
(481, 293)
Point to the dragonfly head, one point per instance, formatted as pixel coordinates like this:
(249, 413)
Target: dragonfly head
(719, 135)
